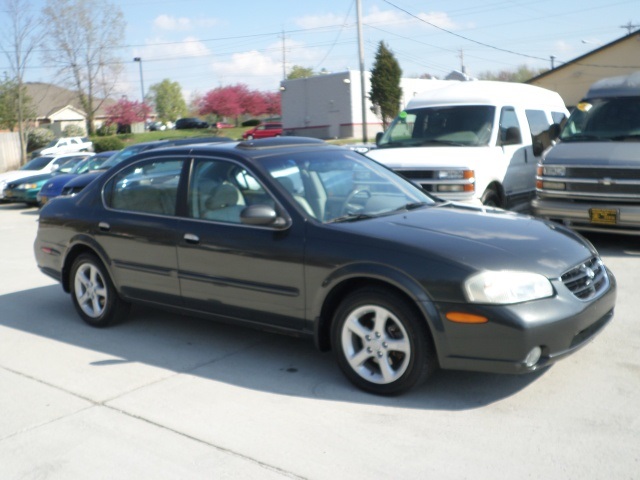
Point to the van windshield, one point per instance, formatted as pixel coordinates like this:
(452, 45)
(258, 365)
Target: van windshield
(604, 119)
(460, 125)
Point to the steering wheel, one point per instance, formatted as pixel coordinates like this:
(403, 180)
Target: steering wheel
(355, 200)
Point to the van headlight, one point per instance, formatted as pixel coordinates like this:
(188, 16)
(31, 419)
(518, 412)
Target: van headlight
(505, 287)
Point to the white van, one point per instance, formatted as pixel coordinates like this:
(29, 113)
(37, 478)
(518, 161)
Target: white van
(476, 141)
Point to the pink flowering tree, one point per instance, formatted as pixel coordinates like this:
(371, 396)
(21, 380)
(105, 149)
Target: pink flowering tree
(125, 112)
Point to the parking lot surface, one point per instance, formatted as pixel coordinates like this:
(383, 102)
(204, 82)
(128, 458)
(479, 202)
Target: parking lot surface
(164, 396)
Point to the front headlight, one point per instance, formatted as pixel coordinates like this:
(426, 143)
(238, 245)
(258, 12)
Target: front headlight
(506, 287)
(27, 186)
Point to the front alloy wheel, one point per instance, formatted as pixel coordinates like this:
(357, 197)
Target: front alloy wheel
(381, 343)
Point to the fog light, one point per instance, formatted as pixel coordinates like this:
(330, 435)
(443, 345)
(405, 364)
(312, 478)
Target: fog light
(533, 357)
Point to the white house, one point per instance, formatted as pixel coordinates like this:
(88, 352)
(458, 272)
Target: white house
(330, 106)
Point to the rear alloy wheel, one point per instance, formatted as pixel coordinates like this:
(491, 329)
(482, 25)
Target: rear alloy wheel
(381, 343)
(93, 293)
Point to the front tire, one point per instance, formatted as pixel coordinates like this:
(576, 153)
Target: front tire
(381, 342)
(93, 294)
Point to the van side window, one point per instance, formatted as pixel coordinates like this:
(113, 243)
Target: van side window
(509, 127)
(538, 122)
(558, 117)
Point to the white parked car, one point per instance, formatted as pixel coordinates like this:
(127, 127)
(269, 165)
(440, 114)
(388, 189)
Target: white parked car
(65, 145)
(44, 164)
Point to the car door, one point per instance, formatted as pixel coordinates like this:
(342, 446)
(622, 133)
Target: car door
(139, 230)
(250, 273)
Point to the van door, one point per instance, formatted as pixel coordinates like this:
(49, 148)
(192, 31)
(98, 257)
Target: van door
(519, 181)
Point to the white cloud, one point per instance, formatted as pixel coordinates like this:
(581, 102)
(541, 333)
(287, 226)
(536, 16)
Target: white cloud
(158, 48)
(252, 68)
(165, 22)
(174, 24)
(319, 21)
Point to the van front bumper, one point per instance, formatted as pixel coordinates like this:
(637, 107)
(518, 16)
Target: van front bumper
(620, 218)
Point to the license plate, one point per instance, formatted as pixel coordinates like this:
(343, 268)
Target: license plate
(607, 216)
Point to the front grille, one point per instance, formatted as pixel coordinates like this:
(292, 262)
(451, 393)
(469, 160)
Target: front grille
(587, 280)
(601, 171)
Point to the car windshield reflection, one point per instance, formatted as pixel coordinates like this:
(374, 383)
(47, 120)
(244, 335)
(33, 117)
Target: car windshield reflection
(344, 188)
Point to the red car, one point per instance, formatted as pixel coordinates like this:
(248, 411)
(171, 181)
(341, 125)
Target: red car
(264, 130)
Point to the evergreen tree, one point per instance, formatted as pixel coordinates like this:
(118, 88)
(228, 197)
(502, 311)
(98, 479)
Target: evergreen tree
(385, 91)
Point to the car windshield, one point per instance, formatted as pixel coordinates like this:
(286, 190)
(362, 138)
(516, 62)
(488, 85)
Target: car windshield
(344, 186)
(463, 125)
(604, 119)
(71, 165)
(37, 163)
(122, 155)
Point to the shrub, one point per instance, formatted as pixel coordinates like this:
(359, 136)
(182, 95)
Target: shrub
(104, 144)
(106, 130)
(73, 131)
(251, 123)
(38, 138)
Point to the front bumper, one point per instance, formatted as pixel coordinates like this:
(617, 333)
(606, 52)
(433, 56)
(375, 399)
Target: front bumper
(21, 196)
(625, 218)
(559, 325)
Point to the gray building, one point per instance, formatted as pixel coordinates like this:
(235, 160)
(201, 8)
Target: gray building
(330, 106)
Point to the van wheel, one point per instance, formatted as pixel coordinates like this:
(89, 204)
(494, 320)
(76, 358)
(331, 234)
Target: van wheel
(490, 198)
(381, 343)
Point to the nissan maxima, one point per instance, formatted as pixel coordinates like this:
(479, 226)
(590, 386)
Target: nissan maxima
(305, 238)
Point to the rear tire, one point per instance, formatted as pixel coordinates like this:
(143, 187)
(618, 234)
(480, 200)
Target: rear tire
(93, 294)
(490, 198)
(381, 343)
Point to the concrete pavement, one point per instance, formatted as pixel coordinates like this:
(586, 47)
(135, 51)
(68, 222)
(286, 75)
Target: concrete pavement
(165, 396)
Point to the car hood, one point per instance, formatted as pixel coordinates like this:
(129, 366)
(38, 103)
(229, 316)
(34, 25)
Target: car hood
(61, 179)
(16, 175)
(32, 178)
(84, 179)
(482, 239)
(621, 154)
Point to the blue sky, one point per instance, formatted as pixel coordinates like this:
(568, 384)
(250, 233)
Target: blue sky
(205, 44)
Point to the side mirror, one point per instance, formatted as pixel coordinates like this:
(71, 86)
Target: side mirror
(554, 131)
(262, 215)
(379, 137)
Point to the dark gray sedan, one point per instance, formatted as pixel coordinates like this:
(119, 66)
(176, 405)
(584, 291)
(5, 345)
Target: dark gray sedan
(298, 236)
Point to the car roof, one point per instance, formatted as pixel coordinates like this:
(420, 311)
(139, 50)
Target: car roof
(246, 149)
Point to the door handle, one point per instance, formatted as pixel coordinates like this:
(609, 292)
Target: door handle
(191, 238)
(104, 226)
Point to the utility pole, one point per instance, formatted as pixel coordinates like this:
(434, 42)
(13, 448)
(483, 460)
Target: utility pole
(630, 27)
(462, 67)
(284, 58)
(362, 79)
(553, 58)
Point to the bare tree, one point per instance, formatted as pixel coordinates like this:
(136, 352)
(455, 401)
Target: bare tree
(20, 41)
(82, 38)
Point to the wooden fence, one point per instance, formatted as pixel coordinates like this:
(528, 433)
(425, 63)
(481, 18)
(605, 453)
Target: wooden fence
(9, 151)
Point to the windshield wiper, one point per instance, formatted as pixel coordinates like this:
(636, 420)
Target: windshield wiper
(584, 136)
(443, 142)
(633, 136)
(351, 217)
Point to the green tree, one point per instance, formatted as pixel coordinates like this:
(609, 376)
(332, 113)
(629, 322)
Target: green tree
(10, 99)
(520, 75)
(168, 100)
(300, 72)
(385, 91)
(82, 37)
